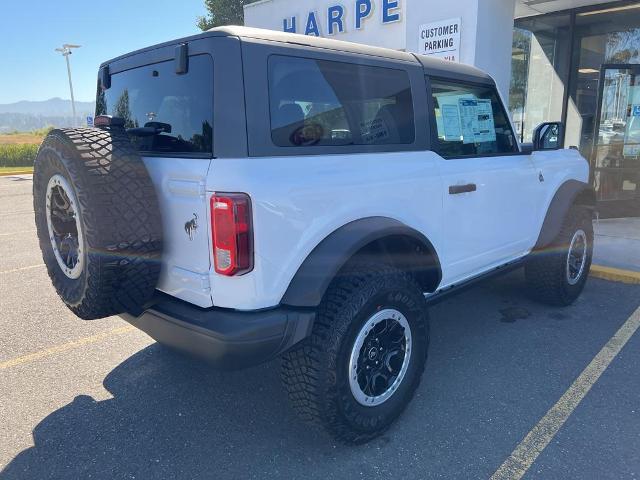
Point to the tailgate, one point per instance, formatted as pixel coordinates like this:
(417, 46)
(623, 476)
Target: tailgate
(180, 186)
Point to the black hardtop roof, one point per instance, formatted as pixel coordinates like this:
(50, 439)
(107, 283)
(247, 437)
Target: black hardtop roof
(432, 66)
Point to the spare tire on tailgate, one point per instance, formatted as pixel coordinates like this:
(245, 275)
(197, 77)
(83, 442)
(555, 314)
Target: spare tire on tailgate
(98, 221)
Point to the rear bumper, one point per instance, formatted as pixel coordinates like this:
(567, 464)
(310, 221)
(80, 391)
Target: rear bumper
(229, 339)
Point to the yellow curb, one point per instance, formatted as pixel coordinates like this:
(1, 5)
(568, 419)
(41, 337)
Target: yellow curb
(615, 274)
(16, 172)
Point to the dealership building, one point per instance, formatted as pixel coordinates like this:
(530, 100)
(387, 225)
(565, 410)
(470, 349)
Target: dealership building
(577, 61)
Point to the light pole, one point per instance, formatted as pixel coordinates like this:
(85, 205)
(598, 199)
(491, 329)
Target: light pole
(66, 51)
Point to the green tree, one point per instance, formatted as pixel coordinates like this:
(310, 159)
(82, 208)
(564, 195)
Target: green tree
(123, 110)
(622, 47)
(101, 102)
(222, 12)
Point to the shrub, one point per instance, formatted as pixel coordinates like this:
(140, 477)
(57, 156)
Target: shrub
(42, 132)
(20, 155)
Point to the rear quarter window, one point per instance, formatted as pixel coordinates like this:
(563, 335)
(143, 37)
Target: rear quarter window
(155, 94)
(327, 103)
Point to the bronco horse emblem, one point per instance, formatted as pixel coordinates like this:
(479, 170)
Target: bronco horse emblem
(191, 226)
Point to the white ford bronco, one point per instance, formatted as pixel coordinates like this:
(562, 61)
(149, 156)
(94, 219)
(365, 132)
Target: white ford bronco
(248, 194)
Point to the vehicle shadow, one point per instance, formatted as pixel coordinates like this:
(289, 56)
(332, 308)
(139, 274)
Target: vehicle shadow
(497, 362)
(170, 416)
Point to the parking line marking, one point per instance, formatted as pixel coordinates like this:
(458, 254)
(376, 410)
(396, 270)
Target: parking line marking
(23, 212)
(546, 429)
(13, 270)
(12, 185)
(16, 233)
(65, 347)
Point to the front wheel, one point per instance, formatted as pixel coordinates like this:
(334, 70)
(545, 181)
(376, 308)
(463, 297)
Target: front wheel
(557, 275)
(361, 365)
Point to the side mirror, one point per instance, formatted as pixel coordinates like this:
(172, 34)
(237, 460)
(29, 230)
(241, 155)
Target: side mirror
(547, 136)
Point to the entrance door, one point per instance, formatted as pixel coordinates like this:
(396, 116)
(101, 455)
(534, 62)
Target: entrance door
(616, 142)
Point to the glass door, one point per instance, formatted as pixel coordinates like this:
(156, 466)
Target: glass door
(616, 142)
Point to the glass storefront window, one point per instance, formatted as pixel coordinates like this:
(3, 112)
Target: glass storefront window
(539, 71)
(603, 117)
(616, 148)
(582, 66)
(607, 36)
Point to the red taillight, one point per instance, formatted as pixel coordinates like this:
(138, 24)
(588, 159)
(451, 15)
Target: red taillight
(232, 233)
(107, 121)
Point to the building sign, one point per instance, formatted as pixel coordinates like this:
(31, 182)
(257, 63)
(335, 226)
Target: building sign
(340, 18)
(441, 39)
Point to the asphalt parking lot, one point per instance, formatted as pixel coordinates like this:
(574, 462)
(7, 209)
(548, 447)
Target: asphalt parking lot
(101, 400)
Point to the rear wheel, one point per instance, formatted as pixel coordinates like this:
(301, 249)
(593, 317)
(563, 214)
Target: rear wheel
(557, 275)
(361, 366)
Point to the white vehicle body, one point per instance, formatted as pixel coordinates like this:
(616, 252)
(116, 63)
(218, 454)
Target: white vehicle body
(246, 195)
(472, 232)
(328, 140)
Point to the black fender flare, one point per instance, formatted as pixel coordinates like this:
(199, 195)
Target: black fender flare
(568, 194)
(325, 261)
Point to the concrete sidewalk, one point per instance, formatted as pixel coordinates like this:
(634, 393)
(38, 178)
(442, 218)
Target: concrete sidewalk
(617, 244)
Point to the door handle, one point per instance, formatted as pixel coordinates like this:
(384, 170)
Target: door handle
(457, 189)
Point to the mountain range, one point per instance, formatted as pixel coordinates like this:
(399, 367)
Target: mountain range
(31, 115)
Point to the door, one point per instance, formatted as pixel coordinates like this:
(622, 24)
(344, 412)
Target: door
(176, 113)
(616, 142)
(490, 189)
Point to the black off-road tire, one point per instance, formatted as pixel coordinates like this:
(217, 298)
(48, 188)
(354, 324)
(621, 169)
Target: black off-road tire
(315, 372)
(118, 215)
(546, 270)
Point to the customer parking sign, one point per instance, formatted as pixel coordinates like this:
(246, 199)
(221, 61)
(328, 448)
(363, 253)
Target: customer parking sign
(440, 39)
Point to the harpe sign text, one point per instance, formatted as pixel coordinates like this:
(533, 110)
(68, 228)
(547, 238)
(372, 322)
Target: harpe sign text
(337, 18)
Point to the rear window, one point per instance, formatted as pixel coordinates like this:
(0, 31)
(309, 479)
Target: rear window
(326, 103)
(154, 95)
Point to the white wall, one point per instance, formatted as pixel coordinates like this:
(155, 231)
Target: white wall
(486, 37)
(271, 13)
(494, 41)
(420, 12)
(486, 26)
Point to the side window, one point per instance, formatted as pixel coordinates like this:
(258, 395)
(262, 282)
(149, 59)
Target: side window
(180, 107)
(326, 103)
(470, 120)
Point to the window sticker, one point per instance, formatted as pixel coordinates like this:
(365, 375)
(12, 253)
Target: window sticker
(476, 117)
(374, 131)
(451, 123)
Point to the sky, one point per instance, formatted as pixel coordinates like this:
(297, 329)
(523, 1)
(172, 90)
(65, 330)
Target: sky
(30, 30)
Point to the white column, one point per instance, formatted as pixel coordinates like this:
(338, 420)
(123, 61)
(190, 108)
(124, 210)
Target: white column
(486, 32)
